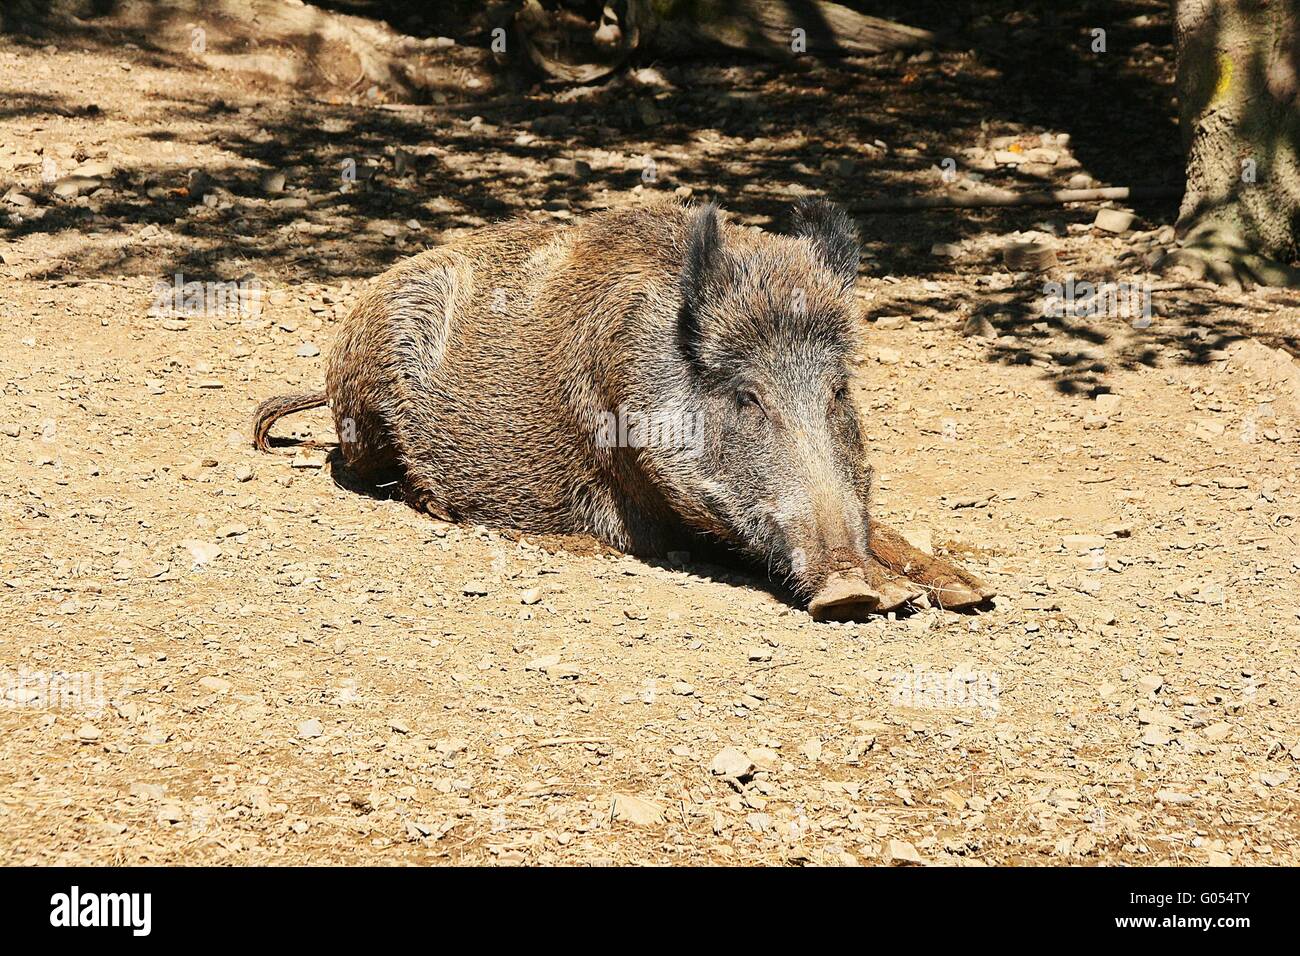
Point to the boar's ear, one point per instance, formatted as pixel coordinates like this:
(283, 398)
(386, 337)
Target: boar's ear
(706, 269)
(832, 233)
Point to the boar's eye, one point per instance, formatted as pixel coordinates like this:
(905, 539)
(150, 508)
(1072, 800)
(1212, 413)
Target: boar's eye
(745, 398)
(842, 393)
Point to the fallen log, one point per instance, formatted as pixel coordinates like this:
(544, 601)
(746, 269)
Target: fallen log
(567, 50)
(1012, 197)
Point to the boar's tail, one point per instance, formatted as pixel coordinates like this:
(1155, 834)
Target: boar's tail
(273, 409)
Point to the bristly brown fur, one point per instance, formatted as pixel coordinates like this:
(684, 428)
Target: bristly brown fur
(483, 370)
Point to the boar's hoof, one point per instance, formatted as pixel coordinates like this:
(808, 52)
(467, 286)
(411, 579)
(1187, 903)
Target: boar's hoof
(954, 594)
(844, 597)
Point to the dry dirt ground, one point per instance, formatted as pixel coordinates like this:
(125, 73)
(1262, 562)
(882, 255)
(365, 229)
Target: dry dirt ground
(251, 665)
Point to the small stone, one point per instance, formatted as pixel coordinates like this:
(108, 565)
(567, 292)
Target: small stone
(307, 459)
(203, 552)
(1150, 683)
(95, 170)
(310, 729)
(1082, 543)
(1029, 256)
(1173, 796)
(902, 853)
(889, 323)
(733, 763)
(243, 473)
(71, 186)
(307, 350)
(979, 327)
(1156, 736)
(1113, 220)
(217, 685)
(531, 596)
(88, 732)
(474, 589)
(147, 791)
(888, 356)
(272, 182)
(1217, 732)
(626, 808)
(1108, 404)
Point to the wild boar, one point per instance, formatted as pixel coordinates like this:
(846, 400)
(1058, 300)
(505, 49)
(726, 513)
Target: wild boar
(656, 377)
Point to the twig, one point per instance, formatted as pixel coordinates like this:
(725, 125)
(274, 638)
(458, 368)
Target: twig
(557, 741)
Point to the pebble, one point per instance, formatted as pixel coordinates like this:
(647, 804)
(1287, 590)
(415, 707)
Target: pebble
(310, 729)
(88, 732)
(203, 552)
(70, 186)
(730, 762)
(1113, 220)
(638, 811)
(217, 685)
(272, 182)
(902, 853)
(1217, 732)
(1150, 683)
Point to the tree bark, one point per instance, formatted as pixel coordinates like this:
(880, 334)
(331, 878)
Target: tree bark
(1239, 103)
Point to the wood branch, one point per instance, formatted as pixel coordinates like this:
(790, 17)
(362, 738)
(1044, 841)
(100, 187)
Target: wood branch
(1011, 197)
(948, 585)
(767, 27)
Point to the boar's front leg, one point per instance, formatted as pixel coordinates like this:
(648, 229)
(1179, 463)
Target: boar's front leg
(948, 585)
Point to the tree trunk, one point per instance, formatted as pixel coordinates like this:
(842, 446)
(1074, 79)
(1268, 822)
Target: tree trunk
(1239, 102)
